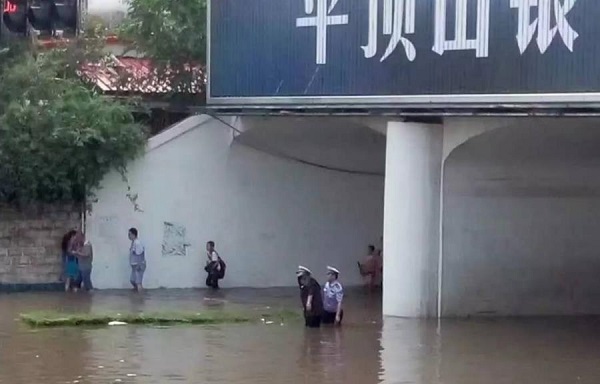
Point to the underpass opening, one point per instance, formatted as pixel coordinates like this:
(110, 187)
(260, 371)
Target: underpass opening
(273, 193)
(521, 214)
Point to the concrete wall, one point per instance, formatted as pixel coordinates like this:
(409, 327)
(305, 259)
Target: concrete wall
(521, 219)
(267, 214)
(30, 243)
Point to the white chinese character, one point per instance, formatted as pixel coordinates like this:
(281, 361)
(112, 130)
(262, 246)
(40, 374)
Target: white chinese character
(321, 21)
(398, 15)
(460, 43)
(545, 34)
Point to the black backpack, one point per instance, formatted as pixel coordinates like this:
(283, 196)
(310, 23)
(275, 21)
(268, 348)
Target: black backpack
(223, 267)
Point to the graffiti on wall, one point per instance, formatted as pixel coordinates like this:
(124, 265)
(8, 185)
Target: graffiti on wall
(174, 242)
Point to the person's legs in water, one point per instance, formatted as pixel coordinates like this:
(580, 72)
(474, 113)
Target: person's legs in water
(329, 317)
(312, 321)
(72, 274)
(86, 279)
(139, 276)
(132, 278)
(214, 279)
(75, 283)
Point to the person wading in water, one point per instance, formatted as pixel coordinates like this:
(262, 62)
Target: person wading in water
(215, 267)
(333, 295)
(137, 260)
(310, 295)
(65, 244)
(85, 257)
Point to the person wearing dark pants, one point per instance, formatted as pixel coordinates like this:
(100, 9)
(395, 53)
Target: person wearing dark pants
(85, 257)
(214, 266)
(333, 295)
(310, 295)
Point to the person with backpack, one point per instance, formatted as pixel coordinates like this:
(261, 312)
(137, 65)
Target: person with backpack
(215, 266)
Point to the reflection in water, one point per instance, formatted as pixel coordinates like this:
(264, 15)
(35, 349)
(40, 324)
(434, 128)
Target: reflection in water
(363, 351)
(409, 351)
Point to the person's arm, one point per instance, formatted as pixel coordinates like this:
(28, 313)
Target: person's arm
(339, 296)
(309, 302)
(311, 293)
(216, 258)
(84, 251)
(138, 248)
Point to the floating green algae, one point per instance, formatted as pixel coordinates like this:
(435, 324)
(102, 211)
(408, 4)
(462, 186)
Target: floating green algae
(68, 319)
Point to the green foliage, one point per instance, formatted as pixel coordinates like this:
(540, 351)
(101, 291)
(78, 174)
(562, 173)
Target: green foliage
(173, 35)
(171, 31)
(58, 137)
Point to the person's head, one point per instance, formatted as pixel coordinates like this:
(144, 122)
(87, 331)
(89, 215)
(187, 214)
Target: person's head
(371, 249)
(304, 279)
(210, 246)
(332, 274)
(133, 234)
(66, 240)
(303, 275)
(78, 240)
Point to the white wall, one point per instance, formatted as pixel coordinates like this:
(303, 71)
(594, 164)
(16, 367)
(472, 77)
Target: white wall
(521, 221)
(266, 214)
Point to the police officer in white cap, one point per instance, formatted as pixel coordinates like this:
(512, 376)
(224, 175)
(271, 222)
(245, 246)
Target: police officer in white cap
(310, 294)
(333, 296)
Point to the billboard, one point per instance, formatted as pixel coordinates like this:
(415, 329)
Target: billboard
(404, 52)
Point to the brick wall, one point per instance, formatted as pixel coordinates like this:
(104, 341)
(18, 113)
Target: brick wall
(30, 243)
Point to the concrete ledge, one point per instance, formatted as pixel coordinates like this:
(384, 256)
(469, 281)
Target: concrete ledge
(41, 287)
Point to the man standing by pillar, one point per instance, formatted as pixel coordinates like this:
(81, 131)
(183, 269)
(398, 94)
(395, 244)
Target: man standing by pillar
(312, 300)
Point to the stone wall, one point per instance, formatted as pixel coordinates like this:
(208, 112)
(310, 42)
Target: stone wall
(30, 244)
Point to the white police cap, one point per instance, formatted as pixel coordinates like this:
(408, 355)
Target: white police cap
(302, 271)
(332, 269)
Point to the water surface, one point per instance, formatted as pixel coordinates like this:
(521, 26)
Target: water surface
(366, 350)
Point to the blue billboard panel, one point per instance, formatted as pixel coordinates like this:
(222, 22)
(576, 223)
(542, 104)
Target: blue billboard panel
(325, 52)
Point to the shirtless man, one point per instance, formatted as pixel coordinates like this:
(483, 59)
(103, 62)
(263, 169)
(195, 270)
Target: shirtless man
(372, 266)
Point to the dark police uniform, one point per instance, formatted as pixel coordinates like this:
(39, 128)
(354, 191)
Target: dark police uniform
(312, 318)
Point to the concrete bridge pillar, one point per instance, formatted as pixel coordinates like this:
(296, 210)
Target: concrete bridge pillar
(412, 218)
(413, 210)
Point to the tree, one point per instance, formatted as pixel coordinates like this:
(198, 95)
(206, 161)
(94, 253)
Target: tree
(173, 34)
(58, 137)
(172, 31)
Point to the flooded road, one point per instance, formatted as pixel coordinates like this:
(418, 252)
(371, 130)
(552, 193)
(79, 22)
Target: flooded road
(366, 350)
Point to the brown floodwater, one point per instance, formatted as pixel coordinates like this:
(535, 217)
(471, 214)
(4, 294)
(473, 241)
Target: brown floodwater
(365, 350)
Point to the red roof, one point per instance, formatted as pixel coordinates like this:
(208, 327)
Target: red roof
(138, 76)
(60, 42)
(132, 75)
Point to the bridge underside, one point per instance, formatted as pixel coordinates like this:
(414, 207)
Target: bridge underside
(521, 215)
(479, 215)
(504, 219)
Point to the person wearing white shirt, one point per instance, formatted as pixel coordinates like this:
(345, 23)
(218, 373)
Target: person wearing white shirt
(333, 296)
(213, 266)
(137, 260)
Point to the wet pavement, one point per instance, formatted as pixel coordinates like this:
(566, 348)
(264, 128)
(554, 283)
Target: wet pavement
(365, 350)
